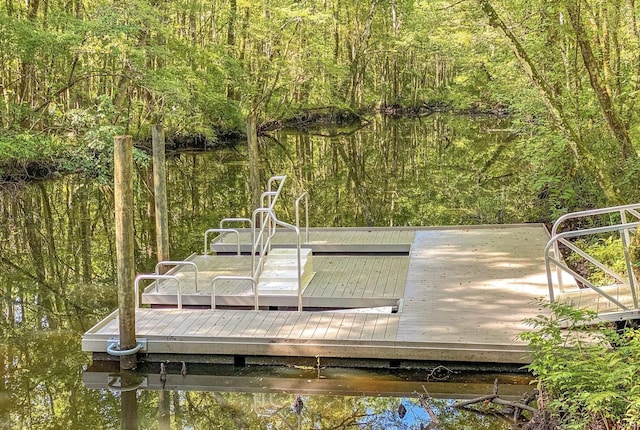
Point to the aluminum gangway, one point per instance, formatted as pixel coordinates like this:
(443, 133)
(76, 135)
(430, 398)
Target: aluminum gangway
(611, 289)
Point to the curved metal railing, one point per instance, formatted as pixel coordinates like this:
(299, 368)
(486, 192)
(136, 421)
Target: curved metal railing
(177, 264)
(156, 278)
(617, 222)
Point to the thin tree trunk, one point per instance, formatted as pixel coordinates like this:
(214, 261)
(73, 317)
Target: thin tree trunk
(613, 121)
(254, 161)
(554, 107)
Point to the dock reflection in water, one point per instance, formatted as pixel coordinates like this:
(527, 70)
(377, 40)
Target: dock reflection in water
(223, 396)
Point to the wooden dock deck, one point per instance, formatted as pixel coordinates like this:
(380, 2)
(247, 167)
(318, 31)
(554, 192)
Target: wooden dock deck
(449, 294)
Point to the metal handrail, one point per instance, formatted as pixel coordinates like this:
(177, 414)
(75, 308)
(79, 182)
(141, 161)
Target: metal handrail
(273, 193)
(157, 278)
(179, 263)
(632, 209)
(266, 219)
(263, 251)
(304, 196)
(262, 242)
(233, 277)
(222, 230)
(561, 267)
(622, 210)
(268, 200)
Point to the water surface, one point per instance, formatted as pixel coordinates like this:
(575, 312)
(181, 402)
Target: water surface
(57, 255)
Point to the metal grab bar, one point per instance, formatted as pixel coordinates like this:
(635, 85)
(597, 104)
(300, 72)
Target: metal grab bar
(157, 278)
(243, 220)
(180, 263)
(221, 230)
(226, 220)
(233, 277)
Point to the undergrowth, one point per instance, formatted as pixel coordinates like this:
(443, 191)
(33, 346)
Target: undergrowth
(588, 369)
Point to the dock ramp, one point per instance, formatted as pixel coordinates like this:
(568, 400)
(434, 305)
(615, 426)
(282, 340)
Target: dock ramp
(578, 277)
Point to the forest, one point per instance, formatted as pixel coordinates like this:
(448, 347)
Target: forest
(76, 73)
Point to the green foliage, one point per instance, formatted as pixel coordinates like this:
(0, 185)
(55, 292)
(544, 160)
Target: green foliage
(26, 147)
(199, 68)
(555, 181)
(25, 155)
(608, 250)
(589, 369)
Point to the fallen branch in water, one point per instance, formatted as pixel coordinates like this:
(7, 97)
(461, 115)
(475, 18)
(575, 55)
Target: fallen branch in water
(425, 405)
(439, 373)
(518, 407)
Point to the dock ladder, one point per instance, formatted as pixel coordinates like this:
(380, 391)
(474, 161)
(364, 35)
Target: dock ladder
(612, 290)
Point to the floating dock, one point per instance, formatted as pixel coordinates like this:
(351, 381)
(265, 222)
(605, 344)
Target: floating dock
(374, 297)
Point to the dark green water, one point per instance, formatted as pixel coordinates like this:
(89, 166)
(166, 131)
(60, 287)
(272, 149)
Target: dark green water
(57, 260)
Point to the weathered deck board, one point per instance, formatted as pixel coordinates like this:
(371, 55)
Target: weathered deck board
(336, 278)
(288, 325)
(465, 293)
(464, 281)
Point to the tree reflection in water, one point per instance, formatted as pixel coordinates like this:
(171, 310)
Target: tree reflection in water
(58, 262)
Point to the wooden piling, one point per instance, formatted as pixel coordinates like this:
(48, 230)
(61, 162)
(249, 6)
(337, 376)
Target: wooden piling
(123, 192)
(128, 400)
(164, 410)
(160, 193)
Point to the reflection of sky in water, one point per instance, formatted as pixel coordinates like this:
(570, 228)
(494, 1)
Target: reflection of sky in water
(415, 416)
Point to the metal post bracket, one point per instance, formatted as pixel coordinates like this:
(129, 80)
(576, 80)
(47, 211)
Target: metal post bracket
(114, 343)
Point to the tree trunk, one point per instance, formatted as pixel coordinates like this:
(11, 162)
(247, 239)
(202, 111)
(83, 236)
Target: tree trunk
(231, 41)
(611, 117)
(254, 161)
(580, 150)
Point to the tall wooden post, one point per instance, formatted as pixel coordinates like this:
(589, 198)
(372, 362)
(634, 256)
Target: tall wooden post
(123, 192)
(160, 193)
(254, 161)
